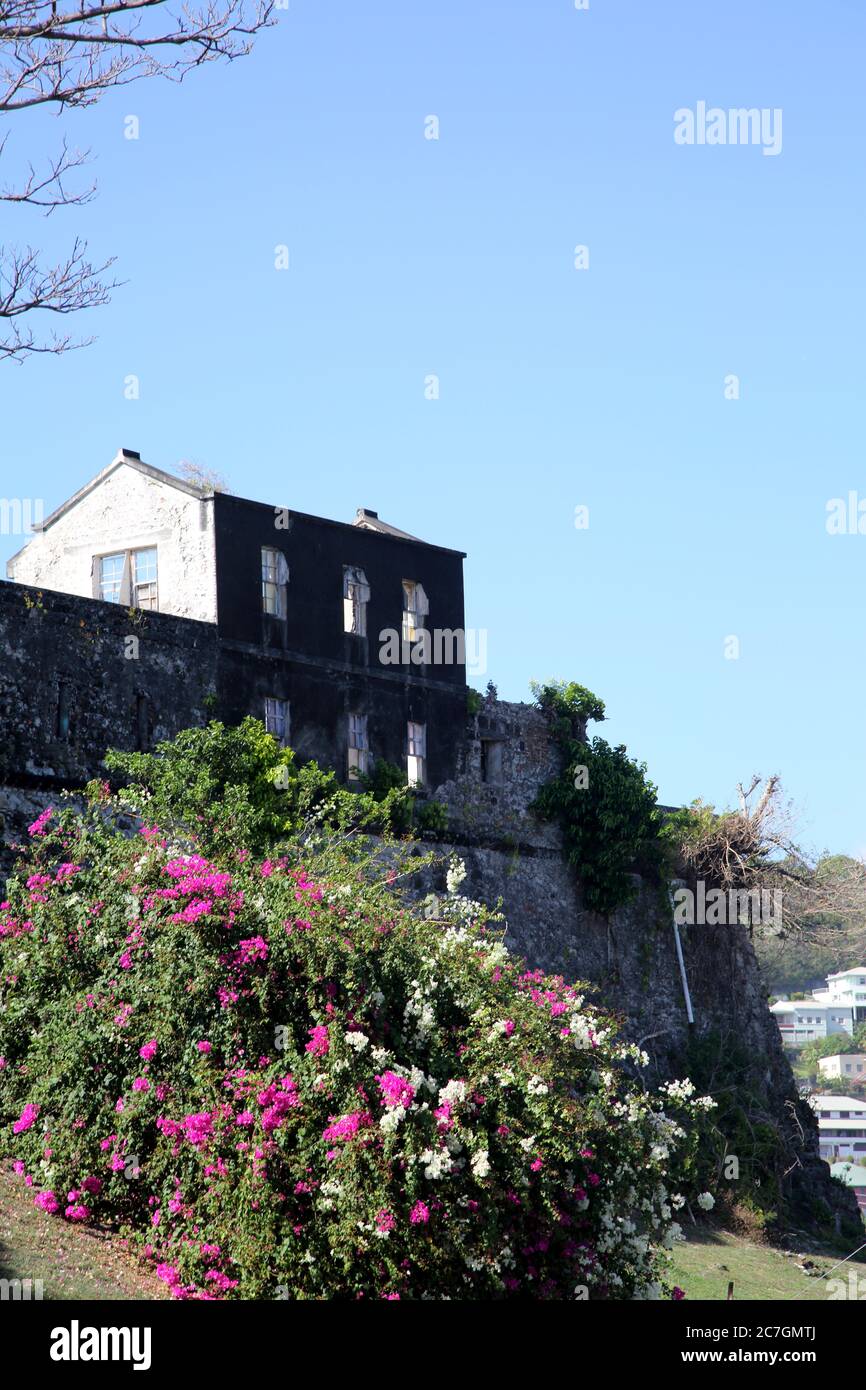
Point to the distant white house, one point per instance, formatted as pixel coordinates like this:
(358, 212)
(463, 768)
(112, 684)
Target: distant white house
(854, 1176)
(805, 1020)
(848, 989)
(845, 1064)
(841, 1126)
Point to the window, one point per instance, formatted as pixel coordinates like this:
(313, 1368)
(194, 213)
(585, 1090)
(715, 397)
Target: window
(277, 719)
(130, 576)
(144, 590)
(142, 723)
(416, 759)
(415, 609)
(491, 760)
(356, 596)
(63, 703)
(359, 749)
(275, 579)
(111, 569)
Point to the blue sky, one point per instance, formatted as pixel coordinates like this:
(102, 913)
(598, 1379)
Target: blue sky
(557, 387)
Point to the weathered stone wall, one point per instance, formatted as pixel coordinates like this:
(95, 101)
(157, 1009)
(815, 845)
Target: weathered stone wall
(78, 677)
(67, 656)
(630, 961)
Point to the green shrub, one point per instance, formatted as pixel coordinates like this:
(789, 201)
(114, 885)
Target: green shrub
(280, 1077)
(602, 801)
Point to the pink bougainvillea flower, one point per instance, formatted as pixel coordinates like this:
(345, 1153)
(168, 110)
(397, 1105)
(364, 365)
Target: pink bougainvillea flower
(254, 948)
(420, 1214)
(141, 1083)
(345, 1126)
(395, 1090)
(38, 826)
(25, 1119)
(92, 1185)
(320, 1043)
(443, 1115)
(77, 1212)
(203, 1046)
(148, 1052)
(47, 1202)
(198, 1128)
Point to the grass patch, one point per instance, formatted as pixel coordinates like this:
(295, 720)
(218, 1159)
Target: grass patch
(71, 1261)
(707, 1260)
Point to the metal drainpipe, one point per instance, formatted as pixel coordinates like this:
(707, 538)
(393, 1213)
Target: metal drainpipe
(688, 998)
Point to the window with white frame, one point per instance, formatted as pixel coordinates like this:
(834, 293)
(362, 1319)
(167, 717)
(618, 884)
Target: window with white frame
(275, 580)
(415, 609)
(356, 596)
(144, 579)
(277, 719)
(111, 568)
(128, 576)
(416, 754)
(359, 748)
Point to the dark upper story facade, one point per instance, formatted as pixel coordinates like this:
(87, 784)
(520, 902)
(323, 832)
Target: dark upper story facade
(346, 639)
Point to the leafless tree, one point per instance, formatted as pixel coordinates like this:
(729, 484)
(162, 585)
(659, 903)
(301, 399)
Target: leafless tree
(200, 476)
(755, 848)
(58, 54)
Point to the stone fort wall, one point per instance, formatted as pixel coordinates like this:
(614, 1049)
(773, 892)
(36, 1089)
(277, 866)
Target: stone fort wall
(78, 676)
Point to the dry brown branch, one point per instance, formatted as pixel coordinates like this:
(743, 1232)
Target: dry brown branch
(66, 288)
(754, 848)
(60, 55)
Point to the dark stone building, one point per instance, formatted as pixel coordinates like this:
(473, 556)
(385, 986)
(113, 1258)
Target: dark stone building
(346, 639)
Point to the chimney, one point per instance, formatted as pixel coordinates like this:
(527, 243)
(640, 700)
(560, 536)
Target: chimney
(364, 514)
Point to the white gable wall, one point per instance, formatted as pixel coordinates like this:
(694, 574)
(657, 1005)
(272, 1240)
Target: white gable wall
(129, 510)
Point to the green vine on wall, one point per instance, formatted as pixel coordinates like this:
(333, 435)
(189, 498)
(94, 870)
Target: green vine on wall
(602, 801)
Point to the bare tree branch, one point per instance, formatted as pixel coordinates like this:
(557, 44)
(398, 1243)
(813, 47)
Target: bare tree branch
(755, 848)
(66, 288)
(52, 53)
(49, 190)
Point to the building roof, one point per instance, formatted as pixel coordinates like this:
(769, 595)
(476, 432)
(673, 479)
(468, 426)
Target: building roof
(854, 970)
(786, 1006)
(364, 518)
(837, 1103)
(851, 1173)
(837, 1057)
(370, 521)
(129, 458)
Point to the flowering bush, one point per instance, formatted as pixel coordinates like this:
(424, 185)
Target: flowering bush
(288, 1081)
